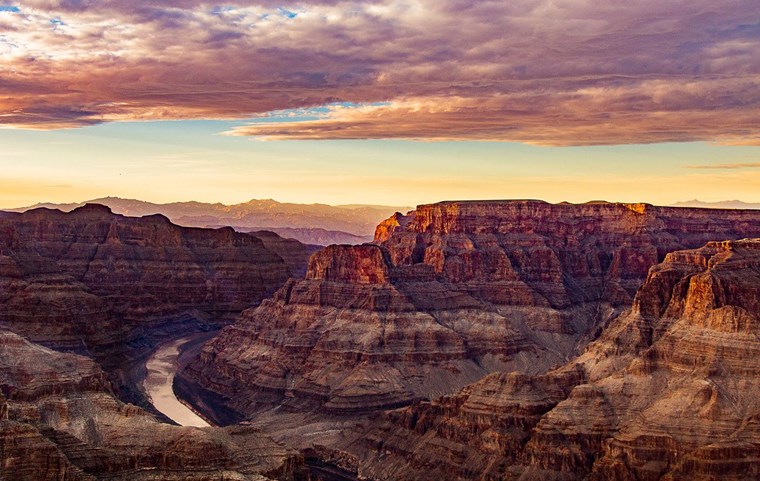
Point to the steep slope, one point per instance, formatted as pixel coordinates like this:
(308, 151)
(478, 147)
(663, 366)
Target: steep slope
(110, 286)
(294, 253)
(446, 295)
(59, 421)
(671, 390)
(97, 277)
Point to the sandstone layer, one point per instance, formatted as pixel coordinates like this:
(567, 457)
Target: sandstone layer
(94, 277)
(109, 286)
(59, 421)
(294, 253)
(446, 295)
(669, 391)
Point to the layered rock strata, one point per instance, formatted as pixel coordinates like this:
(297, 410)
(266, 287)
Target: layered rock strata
(106, 285)
(94, 277)
(670, 390)
(447, 294)
(60, 421)
(294, 253)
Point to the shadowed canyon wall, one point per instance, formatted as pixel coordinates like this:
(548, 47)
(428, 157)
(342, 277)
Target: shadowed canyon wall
(446, 295)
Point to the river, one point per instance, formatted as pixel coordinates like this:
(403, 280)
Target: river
(161, 367)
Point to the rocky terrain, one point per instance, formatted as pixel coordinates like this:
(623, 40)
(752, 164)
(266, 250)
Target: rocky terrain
(313, 235)
(670, 390)
(470, 341)
(60, 421)
(294, 253)
(308, 223)
(446, 295)
(96, 277)
(107, 285)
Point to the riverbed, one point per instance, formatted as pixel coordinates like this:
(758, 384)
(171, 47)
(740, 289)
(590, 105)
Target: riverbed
(161, 367)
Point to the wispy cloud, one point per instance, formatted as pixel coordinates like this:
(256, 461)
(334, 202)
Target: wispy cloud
(535, 71)
(739, 165)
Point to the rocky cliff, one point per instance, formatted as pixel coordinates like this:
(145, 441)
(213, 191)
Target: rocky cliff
(294, 253)
(670, 390)
(95, 277)
(109, 286)
(59, 421)
(447, 294)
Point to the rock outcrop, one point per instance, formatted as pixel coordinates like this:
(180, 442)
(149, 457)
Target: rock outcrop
(670, 390)
(59, 421)
(294, 253)
(110, 286)
(93, 277)
(447, 294)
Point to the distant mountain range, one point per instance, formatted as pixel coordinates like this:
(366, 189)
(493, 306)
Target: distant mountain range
(724, 204)
(320, 224)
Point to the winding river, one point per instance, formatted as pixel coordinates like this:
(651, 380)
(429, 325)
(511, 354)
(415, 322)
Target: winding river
(161, 367)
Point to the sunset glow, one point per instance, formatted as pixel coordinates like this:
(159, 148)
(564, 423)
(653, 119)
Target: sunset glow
(383, 101)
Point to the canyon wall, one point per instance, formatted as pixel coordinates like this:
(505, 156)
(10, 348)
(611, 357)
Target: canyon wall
(111, 286)
(670, 390)
(446, 295)
(90, 277)
(60, 421)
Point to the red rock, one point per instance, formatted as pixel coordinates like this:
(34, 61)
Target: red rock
(96, 277)
(448, 293)
(60, 421)
(670, 390)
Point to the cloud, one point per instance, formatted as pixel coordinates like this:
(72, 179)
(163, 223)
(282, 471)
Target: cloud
(537, 71)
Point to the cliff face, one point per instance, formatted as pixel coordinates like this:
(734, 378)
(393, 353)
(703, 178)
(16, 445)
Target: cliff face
(93, 276)
(670, 390)
(294, 253)
(59, 421)
(446, 295)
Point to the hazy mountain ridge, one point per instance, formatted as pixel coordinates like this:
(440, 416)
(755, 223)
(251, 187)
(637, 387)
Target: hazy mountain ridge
(723, 204)
(352, 223)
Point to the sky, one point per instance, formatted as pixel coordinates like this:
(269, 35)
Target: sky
(396, 102)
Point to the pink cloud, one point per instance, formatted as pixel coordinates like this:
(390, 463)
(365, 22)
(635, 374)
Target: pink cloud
(537, 71)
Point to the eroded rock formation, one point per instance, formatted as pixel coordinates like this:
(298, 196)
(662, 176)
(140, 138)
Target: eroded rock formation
(670, 390)
(294, 253)
(109, 286)
(60, 421)
(94, 277)
(445, 295)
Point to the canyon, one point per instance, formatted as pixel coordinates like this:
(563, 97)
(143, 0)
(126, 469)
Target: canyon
(110, 286)
(668, 391)
(59, 420)
(444, 296)
(471, 340)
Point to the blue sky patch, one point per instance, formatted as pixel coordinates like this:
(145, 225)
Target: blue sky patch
(9, 8)
(286, 13)
(221, 10)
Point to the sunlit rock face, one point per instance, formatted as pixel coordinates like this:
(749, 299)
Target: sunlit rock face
(60, 421)
(670, 390)
(446, 295)
(90, 278)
